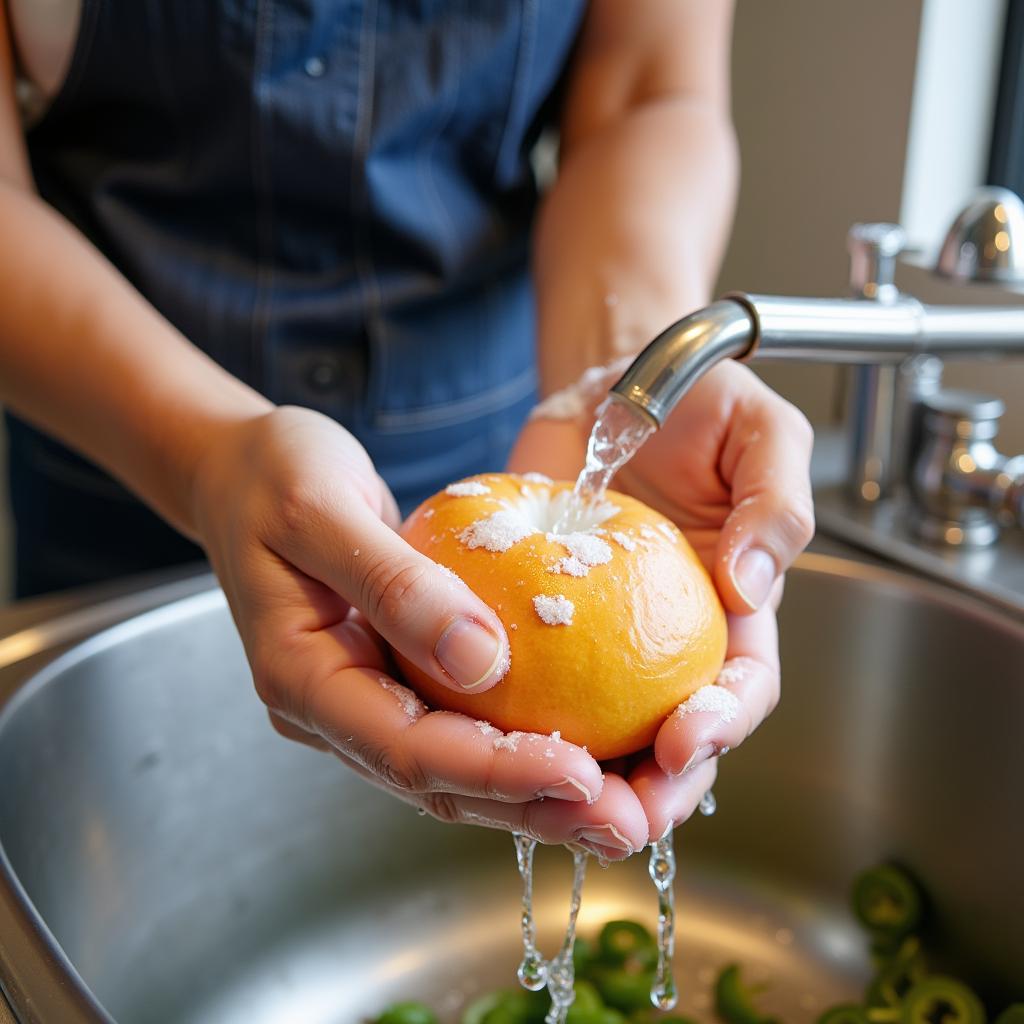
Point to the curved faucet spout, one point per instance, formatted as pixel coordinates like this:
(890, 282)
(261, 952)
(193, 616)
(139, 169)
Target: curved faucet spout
(819, 330)
(678, 357)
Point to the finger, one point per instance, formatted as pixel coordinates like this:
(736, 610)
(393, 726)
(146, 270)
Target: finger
(296, 733)
(766, 464)
(668, 801)
(612, 828)
(718, 718)
(424, 612)
(389, 511)
(384, 726)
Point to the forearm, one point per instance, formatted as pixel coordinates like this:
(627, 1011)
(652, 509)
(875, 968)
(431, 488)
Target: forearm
(87, 359)
(633, 232)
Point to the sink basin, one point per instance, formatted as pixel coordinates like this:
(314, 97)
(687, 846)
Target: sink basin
(167, 857)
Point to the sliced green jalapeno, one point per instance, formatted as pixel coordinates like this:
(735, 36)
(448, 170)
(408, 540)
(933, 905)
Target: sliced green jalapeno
(887, 900)
(941, 1000)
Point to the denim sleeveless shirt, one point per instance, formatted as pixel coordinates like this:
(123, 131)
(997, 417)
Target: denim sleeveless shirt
(332, 198)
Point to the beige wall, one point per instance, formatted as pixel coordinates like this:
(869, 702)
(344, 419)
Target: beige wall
(822, 100)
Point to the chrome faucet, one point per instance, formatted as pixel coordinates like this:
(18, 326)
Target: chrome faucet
(902, 428)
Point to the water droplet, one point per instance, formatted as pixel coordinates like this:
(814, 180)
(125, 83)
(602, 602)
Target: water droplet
(708, 804)
(662, 869)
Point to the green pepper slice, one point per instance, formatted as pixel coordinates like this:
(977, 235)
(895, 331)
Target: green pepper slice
(593, 1015)
(583, 955)
(941, 1000)
(1013, 1014)
(650, 1016)
(587, 996)
(895, 978)
(407, 1013)
(848, 1013)
(623, 942)
(887, 900)
(623, 989)
(734, 1002)
(507, 1006)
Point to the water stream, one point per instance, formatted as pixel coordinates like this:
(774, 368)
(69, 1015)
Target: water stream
(619, 431)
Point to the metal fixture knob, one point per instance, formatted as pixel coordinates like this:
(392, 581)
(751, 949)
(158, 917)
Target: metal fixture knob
(961, 484)
(873, 250)
(986, 241)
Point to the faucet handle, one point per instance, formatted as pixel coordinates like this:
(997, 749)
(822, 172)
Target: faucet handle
(873, 250)
(959, 484)
(964, 415)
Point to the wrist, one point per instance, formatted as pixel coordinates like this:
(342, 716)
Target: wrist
(204, 454)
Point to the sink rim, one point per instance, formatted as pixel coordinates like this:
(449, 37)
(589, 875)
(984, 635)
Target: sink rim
(37, 977)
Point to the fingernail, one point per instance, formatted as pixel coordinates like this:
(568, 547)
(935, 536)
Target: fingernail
(753, 576)
(603, 853)
(568, 789)
(605, 836)
(699, 756)
(469, 653)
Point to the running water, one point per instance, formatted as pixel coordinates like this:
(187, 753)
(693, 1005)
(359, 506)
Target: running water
(662, 869)
(618, 432)
(561, 969)
(535, 972)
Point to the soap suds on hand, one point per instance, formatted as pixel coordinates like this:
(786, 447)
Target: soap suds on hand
(508, 742)
(738, 670)
(450, 573)
(554, 611)
(411, 704)
(715, 699)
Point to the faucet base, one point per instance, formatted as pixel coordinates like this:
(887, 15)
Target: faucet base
(979, 534)
(890, 529)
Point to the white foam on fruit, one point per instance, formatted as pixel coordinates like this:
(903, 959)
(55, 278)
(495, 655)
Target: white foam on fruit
(537, 512)
(467, 489)
(554, 610)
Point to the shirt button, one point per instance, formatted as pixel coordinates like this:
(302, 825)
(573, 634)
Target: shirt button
(324, 376)
(315, 67)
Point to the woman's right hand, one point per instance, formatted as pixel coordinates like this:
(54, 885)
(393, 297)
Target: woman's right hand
(301, 532)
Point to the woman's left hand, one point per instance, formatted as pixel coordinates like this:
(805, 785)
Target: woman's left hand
(731, 468)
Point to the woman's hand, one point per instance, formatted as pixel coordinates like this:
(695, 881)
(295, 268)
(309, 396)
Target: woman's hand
(301, 532)
(731, 468)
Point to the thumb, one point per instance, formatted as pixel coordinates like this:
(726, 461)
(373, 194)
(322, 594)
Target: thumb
(772, 518)
(421, 609)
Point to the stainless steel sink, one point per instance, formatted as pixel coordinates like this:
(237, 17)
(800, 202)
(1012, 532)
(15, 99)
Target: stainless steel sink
(167, 857)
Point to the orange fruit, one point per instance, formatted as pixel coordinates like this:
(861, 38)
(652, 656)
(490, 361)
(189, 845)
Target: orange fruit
(610, 625)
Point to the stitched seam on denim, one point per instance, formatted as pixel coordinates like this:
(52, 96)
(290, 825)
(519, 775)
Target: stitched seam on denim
(365, 271)
(444, 413)
(524, 60)
(264, 200)
(426, 152)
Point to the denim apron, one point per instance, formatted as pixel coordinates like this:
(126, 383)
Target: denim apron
(333, 199)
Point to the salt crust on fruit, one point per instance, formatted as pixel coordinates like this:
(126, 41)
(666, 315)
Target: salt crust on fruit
(652, 613)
